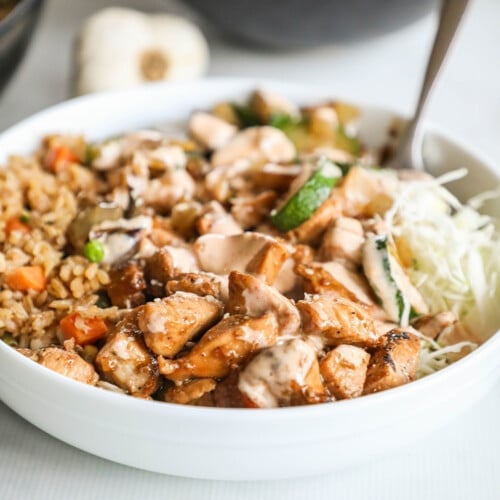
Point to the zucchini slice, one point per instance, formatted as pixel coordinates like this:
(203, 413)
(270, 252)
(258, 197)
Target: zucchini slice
(308, 198)
(399, 298)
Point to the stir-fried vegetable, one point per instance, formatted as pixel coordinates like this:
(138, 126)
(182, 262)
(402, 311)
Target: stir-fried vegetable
(308, 198)
(94, 251)
(27, 278)
(83, 330)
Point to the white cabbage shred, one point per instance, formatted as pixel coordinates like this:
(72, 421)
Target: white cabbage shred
(456, 260)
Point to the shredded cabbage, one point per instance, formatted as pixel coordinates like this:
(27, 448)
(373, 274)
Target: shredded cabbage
(456, 259)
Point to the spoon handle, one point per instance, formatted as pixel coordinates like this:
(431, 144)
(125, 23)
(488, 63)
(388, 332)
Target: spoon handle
(409, 154)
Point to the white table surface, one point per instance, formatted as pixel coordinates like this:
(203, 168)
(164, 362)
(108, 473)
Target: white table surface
(460, 461)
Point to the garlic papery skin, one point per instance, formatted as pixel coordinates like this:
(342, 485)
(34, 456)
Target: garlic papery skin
(120, 48)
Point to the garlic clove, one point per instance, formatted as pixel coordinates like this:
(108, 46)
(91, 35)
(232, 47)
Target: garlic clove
(122, 47)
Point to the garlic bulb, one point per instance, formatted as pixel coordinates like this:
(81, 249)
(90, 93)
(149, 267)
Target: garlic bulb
(122, 47)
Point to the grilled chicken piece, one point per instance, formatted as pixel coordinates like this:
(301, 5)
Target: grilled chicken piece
(344, 371)
(394, 363)
(223, 348)
(248, 252)
(183, 217)
(367, 192)
(165, 191)
(190, 392)
(199, 283)
(255, 145)
(311, 230)
(337, 321)
(266, 104)
(67, 363)
(334, 278)
(227, 394)
(276, 177)
(343, 241)
(215, 219)
(125, 361)
(431, 325)
(165, 264)
(268, 262)
(250, 297)
(127, 285)
(168, 324)
(283, 375)
(250, 211)
(209, 131)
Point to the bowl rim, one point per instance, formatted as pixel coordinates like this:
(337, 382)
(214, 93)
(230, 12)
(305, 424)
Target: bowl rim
(243, 415)
(19, 10)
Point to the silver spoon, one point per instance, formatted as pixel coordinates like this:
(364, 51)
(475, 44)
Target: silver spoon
(409, 151)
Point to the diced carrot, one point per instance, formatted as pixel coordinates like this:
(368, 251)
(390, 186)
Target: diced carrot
(83, 330)
(59, 157)
(26, 278)
(15, 224)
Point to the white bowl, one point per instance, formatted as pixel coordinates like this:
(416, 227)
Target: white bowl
(232, 443)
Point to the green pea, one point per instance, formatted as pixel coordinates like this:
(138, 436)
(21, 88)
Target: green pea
(94, 251)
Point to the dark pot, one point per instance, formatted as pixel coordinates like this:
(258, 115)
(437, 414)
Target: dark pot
(15, 33)
(306, 23)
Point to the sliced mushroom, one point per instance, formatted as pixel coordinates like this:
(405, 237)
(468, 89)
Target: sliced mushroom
(283, 375)
(223, 348)
(210, 131)
(255, 145)
(82, 224)
(249, 296)
(120, 237)
(168, 324)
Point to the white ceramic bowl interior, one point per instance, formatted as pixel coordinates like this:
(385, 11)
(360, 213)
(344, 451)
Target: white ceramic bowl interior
(232, 443)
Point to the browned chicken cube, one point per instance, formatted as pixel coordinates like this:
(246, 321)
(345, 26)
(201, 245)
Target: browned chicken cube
(125, 361)
(199, 283)
(249, 252)
(344, 371)
(251, 297)
(283, 375)
(269, 261)
(311, 230)
(215, 219)
(343, 241)
(67, 363)
(250, 211)
(394, 363)
(431, 325)
(127, 285)
(191, 392)
(227, 394)
(223, 348)
(168, 324)
(337, 321)
(165, 264)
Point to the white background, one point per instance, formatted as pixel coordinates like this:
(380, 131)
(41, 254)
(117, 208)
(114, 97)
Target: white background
(460, 461)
